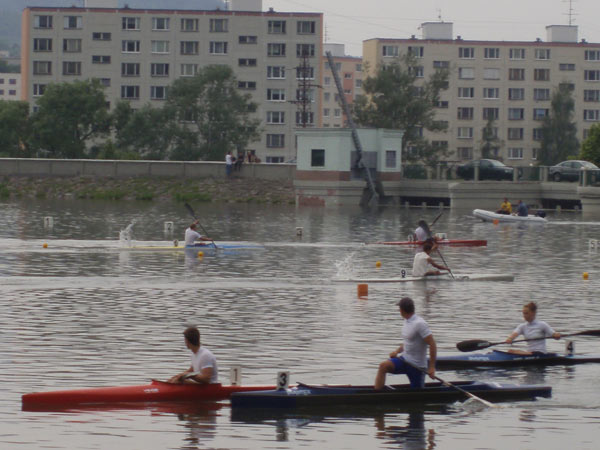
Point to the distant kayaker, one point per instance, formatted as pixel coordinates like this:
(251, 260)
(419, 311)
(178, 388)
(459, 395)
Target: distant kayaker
(423, 260)
(522, 209)
(416, 337)
(191, 235)
(422, 233)
(532, 329)
(204, 364)
(505, 207)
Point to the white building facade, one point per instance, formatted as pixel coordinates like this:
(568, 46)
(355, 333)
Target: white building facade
(10, 86)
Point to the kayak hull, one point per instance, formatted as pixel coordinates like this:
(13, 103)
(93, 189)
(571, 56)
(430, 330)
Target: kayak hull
(489, 216)
(202, 246)
(498, 358)
(436, 278)
(449, 242)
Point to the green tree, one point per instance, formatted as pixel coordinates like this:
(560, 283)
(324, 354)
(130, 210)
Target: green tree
(70, 116)
(559, 131)
(490, 140)
(209, 116)
(590, 148)
(15, 130)
(395, 98)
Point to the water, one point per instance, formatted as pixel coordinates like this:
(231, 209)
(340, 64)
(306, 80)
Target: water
(85, 311)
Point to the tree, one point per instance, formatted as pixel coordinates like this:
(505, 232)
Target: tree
(559, 131)
(394, 99)
(490, 140)
(590, 148)
(15, 130)
(209, 116)
(70, 116)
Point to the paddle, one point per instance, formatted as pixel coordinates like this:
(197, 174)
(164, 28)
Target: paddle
(428, 231)
(191, 211)
(458, 388)
(445, 263)
(478, 344)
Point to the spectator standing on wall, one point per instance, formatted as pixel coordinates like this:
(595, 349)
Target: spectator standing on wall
(229, 163)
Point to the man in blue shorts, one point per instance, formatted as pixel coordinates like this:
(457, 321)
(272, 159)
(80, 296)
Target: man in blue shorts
(411, 357)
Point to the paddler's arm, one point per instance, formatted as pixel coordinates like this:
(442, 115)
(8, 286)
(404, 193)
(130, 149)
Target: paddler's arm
(179, 377)
(203, 376)
(429, 340)
(511, 337)
(398, 351)
(436, 265)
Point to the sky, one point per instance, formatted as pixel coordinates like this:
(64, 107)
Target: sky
(350, 22)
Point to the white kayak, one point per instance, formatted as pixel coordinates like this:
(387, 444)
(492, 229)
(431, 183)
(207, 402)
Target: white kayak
(489, 216)
(434, 278)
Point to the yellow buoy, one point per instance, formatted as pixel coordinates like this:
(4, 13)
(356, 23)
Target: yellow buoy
(362, 290)
(585, 275)
(200, 254)
(378, 264)
(45, 245)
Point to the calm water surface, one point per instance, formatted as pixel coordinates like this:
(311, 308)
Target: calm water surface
(88, 312)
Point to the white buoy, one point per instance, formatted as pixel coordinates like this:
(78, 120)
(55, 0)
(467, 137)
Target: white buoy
(48, 222)
(299, 231)
(168, 227)
(593, 244)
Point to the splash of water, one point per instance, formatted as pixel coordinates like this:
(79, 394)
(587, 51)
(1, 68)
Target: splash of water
(345, 267)
(125, 235)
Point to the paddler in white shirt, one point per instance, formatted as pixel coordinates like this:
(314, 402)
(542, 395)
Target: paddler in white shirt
(423, 260)
(532, 329)
(204, 364)
(191, 235)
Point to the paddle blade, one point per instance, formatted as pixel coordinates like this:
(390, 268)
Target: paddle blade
(472, 345)
(189, 208)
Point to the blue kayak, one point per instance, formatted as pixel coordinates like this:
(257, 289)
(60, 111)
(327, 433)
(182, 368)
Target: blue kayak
(323, 396)
(498, 358)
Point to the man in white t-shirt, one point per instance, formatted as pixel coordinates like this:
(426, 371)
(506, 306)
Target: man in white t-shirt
(229, 160)
(191, 235)
(422, 233)
(533, 330)
(204, 364)
(423, 260)
(411, 357)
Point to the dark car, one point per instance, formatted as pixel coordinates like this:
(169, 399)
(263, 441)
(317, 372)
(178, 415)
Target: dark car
(569, 170)
(489, 169)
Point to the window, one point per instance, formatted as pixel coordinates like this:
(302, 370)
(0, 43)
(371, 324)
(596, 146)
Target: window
(590, 55)
(516, 93)
(275, 72)
(72, 22)
(515, 153)
(130, 69)
(12, 92)
(491, 93)
(105, 82)
(591, 75)
(275, 117)
(591, 115)
(326, 81)
(247, 39)
(160, 46)
(305, 50)
(466, 52)
(348, 76)
(586, 133)
(218, 25)
(534, 153)
(515, 134)
(307, 118)
(160, 24)
(359, 67)
(130, 46)
(274, 159)
(417, 52)
(441, 64)
(189, 47)
(418, 71)
(538, 134)
(466, 73)
(158, 92)
(390, 159)
(542, 53)
(130, 92)
(130, 23)
(541, 94)
(71, 68)
(218, 48)
(491, 74)
(100, 59)
(101, 36)
(189, 24)
(464, 153)
(591, 95)
(72, 45)
(541, 74)
(42, 68)
(305, 27)
(189, 70)
(516, 53)
(464, 133)
(248, 85)
(38, 90)
(275, 140)
(358, 84)
(491, 113)
(276, 95)
(491, 53)
(12, 81)
(442, 104)
(390, 50)
(465, 113)
(42, 21)
(305, 73)
(566, 67)
(275, 49)
(247, 62)
(326, 112)
(159, 69)
(540, 113)
(337, 112)
(276, 27)
(516, 74)
(317, 158)
(308, 95)
(516, 113)
(568, 86)
(466, 92)
(42, 45)
(326, 96)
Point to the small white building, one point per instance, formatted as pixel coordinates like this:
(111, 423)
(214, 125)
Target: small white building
(10, 86)
(326, 167)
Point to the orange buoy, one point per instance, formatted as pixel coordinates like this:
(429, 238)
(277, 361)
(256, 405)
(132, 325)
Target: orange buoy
(45, 245)
(496, 222)
(586, 275)
(362, 290)
(378, 264)
(200, 254)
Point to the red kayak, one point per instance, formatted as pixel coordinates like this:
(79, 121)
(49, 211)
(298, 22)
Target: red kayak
(156, 391)
(451, 242)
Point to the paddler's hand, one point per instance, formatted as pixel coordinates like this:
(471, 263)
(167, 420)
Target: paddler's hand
(431, 373)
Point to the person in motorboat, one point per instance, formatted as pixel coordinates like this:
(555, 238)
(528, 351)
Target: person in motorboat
(423, 259)
(532, 329)
(410, 358)
(191, 235)
(522, 209)
(505, 207)
(204, 364)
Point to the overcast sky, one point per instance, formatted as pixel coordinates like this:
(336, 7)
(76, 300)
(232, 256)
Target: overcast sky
(352, 21)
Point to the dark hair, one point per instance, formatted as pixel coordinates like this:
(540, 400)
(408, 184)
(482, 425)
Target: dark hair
(407, 305)
(531, 306)
(192, 335)
(193, 226)
(427, 246)
(422, 223)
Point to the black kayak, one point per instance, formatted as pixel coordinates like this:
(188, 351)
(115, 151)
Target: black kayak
(498, 358)
(307, 396)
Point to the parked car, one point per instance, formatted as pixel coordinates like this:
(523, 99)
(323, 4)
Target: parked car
(569, 170)
(489, 169)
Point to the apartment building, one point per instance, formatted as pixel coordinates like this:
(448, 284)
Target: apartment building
(349, 70)
(10, 86)
(508, 81)
(137, 53)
